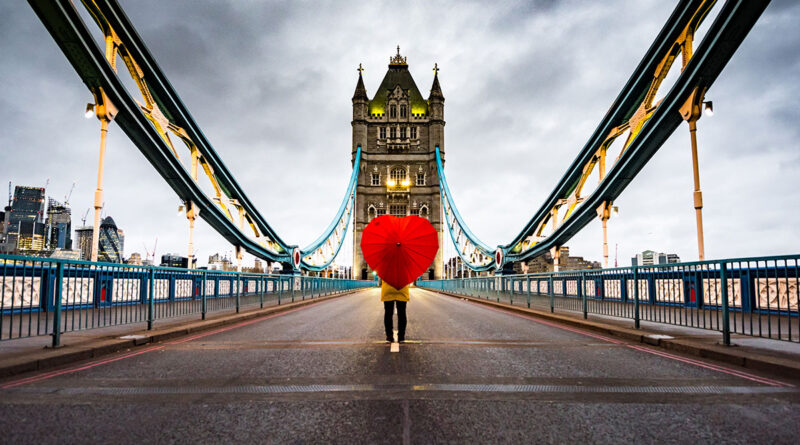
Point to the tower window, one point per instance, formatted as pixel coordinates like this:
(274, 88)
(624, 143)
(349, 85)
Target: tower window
(383, 133)
(413, 132)
(423, 211)
(376, 179)
(392, 133)
(398, 175)
(420, 178)
(393, 111)
(370, 213)
(403, 111)
(403, 132)
(397, 210)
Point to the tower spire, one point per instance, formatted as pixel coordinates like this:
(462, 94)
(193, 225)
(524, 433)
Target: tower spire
(398, 59)
(361, 90)
(436, 89)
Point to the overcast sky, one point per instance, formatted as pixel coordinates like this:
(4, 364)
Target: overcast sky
(525, 84)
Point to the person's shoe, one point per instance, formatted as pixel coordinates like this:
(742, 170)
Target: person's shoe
(390, 339)
(401, 339)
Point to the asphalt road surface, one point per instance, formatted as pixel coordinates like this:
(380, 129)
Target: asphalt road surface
(469, 374)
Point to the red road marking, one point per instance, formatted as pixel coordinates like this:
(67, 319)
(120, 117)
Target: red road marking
(51, 374)
(718, 368)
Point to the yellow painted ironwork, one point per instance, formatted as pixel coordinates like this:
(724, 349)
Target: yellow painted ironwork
(114, 47)
(633, 126)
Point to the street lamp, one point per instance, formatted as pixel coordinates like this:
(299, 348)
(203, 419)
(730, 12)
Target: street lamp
(89, 111)
(709, 108)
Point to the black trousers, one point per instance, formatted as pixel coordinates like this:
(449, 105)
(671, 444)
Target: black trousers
(388, 307)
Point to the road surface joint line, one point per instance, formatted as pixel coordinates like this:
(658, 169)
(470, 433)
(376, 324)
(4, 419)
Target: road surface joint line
(714, 367)
(424, 387)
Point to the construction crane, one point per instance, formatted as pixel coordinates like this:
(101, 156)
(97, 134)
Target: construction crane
(69, 195)
(84, 217)
(150, 255)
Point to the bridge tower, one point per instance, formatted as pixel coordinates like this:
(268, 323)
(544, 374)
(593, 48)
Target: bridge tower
(398, 131)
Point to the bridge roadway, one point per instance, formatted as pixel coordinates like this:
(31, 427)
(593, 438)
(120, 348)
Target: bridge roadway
(469, 374)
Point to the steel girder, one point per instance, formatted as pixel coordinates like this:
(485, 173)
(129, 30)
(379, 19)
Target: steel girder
(647, 123)
(150, 124)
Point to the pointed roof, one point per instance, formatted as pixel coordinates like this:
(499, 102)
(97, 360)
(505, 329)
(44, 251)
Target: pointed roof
(436, 89)
(361, 91)
(398, 75)
(108, 222)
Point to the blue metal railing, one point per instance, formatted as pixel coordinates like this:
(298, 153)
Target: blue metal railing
(760, 297)
(43, 296)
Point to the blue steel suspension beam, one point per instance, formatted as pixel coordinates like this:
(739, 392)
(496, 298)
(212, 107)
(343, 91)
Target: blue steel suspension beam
(476, 254)
(319, 254)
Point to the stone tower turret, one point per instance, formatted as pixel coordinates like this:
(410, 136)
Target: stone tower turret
(436, 108)
(398, 131)
(360, 114)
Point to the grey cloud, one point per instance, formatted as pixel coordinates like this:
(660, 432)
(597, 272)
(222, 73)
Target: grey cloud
(525, 83)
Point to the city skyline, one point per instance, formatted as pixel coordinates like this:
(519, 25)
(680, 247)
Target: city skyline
(529, 105)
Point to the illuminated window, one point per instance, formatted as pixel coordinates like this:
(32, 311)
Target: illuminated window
(376, 179)
(383, 133)
(420, 178)
(397, 210)
(413, 132)
(398, 175)
(393, 111)
(403, 111)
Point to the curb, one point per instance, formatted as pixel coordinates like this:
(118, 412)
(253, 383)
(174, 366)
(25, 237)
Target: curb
(783, 367)
(51, 358)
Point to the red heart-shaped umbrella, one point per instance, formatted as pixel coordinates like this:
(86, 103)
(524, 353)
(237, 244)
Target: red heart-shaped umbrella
(399, 249)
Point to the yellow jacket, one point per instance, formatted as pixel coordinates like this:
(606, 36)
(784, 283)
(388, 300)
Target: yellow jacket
(388, 293)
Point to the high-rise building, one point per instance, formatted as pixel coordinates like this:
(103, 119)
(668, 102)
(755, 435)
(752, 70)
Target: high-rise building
(174, 260)
(83, 237)
(59, 226)
(398, 131)
(25, 231)
(650, 257)
(135, 259)
(111, 242)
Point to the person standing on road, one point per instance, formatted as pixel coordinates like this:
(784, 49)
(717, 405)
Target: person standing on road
(391, 297)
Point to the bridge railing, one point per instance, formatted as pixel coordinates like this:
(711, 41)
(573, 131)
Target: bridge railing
(44, 296)
(759, 296)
